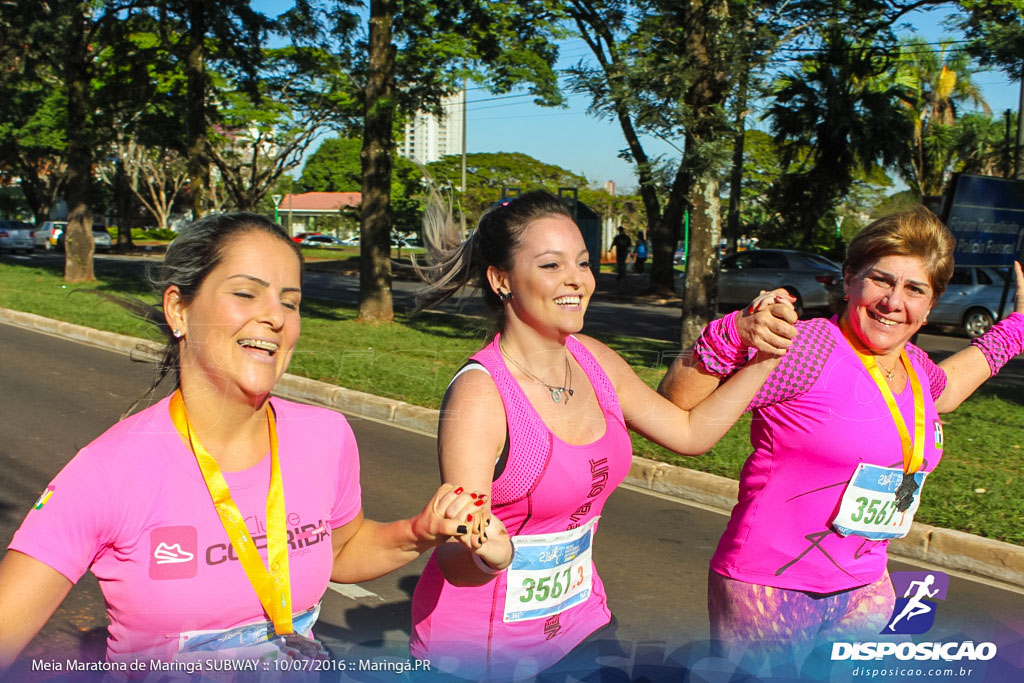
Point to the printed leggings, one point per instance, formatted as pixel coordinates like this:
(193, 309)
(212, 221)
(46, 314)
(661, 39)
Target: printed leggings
(757, 625)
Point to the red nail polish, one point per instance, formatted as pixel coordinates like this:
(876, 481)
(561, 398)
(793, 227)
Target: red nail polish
(458, 490)
(469, 518)
(478, 503)
(472, 495)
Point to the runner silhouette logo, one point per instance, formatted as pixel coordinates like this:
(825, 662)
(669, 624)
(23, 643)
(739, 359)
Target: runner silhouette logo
(915, 611)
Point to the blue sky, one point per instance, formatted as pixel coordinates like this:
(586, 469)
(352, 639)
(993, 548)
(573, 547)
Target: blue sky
(583, 144)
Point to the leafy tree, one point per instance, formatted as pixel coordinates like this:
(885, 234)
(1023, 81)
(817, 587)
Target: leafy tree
(938, 82)
(263, 134)
(995, 29)
(416, 52)
(334, 167)
(837, 115)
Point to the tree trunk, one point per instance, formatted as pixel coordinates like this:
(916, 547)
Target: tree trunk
(706, 100)
(124, 207)
(734, 228)
(78, 243)
(375, 300)
(195, 102)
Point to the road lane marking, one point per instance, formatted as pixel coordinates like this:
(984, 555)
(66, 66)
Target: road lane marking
(352, 590)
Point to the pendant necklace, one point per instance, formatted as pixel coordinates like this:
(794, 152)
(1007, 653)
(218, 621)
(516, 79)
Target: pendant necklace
(556, 392)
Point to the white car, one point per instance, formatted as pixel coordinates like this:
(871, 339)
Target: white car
(971, 299)
(16, 236)
(47, 235)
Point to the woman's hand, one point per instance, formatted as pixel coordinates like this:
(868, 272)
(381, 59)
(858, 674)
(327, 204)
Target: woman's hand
(489, 539)
(450, 513)
(767, 324)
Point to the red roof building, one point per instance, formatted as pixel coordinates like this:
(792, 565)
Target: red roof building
(296, 210)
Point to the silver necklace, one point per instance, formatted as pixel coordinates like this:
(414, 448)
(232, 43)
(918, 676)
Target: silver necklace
(556, 392)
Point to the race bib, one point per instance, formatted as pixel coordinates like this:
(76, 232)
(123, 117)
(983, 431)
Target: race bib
(868, 508)
(550, 573)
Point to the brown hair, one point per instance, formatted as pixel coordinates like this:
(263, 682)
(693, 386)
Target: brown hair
(918, 233)
(452, 263)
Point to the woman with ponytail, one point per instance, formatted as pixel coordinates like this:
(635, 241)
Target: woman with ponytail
(538, 420)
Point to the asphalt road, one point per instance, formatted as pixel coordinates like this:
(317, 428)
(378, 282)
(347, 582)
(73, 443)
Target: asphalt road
(652, 551)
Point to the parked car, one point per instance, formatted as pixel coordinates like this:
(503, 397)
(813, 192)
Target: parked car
(807, 276)
(299, 236)
(17, 236)
(971, 299)
(351, 241)
(100, 238)
(679, 258)
(47, 235)
(321, 241)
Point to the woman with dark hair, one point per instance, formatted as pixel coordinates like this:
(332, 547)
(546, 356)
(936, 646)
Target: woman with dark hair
(171, 507)
(538, 419)
(845, 431)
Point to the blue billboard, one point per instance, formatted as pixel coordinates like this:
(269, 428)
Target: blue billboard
(986, 215)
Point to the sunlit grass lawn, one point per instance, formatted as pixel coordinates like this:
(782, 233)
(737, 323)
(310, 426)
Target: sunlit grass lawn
(413, 359)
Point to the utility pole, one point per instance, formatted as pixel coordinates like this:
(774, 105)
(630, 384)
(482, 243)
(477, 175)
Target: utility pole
(1018, 166)
(462, 199)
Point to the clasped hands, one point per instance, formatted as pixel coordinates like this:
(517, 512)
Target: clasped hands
(767, 323)
(454, 512)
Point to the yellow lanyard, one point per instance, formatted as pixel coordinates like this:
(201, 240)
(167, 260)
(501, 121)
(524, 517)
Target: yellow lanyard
(913, 452)
(273, 588)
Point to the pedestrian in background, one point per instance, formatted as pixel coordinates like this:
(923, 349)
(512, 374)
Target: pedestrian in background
(621, 243)
(538, 419)
(157, 505)
(640, 254)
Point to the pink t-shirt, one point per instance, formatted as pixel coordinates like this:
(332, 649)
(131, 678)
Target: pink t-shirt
(133, 508)
(547, 486)
(817, 417)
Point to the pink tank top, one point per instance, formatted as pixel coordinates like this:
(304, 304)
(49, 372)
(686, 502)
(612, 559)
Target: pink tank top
(547, 486)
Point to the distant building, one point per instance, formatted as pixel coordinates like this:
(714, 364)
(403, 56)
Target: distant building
(428, 138)
(298, 212)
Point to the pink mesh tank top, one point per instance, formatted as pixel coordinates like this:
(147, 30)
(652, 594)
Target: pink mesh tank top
(547, 486)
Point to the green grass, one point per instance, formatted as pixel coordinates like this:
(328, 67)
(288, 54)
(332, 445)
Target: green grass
(413, 360)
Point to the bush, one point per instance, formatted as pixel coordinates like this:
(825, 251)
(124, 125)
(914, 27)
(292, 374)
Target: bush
(164, 234)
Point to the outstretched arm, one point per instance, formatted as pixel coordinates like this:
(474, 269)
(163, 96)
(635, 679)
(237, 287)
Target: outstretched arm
(966, 370)
(765, 325)
(30, 592)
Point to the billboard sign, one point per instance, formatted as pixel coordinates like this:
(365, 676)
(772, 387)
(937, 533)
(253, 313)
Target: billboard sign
(986, 215)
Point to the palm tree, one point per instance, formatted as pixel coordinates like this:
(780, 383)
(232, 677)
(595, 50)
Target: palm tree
(939, 82)
(838, 116)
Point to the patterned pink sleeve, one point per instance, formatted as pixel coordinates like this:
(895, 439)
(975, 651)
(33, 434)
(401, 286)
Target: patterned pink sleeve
(936, 375)
(799, 369)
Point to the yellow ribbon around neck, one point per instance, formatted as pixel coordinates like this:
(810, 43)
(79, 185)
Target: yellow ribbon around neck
(913, 452)
(273, 588)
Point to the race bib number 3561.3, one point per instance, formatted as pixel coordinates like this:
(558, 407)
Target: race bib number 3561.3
(868, 508)
(550, 573)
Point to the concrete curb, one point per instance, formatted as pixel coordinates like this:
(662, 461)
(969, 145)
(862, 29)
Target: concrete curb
(944, 548)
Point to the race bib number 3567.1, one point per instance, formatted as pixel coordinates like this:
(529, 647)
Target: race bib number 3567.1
(868, 508)
(550, 573)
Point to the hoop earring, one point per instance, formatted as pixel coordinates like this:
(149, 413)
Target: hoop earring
(505, 296)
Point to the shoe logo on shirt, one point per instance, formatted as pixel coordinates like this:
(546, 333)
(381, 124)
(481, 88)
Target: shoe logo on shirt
(172, 552)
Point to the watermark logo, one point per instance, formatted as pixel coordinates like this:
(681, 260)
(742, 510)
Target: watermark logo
(915, 612)
(172, 552)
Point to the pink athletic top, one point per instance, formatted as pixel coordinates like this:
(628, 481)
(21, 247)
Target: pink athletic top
(817, 416)
(547, 486)
(133, 508)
